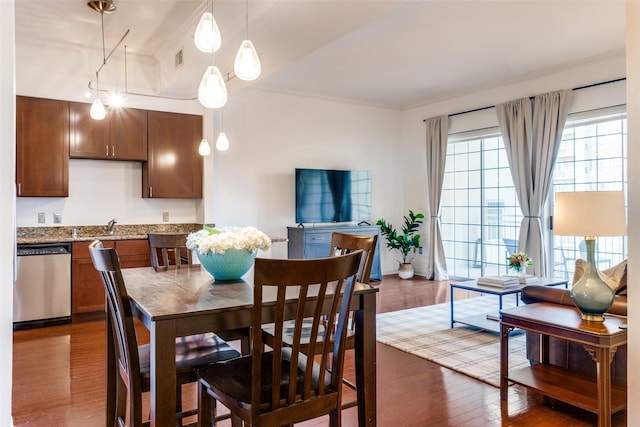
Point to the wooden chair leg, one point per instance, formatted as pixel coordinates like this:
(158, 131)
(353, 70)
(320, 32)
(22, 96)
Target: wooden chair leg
(204, 407)
(236, 421)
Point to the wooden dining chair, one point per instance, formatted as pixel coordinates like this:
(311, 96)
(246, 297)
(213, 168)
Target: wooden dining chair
(168, 249)
(341, 244)
(133, 360)
(284, 386)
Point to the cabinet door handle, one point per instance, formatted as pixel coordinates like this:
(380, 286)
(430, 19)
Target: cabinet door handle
(150, 191)
(113, 151)
(19, 189)
(106, 149)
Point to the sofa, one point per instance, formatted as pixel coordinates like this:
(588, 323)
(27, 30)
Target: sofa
(572, 356)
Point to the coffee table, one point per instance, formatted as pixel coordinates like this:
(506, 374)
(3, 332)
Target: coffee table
(491, 321)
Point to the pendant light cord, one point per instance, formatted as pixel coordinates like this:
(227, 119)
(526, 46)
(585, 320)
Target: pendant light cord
(247, 17)
(104, 60)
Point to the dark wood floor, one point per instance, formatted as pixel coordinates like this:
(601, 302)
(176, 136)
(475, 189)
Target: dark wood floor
(58, 379)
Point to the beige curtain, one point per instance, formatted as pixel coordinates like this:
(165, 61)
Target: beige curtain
(531, 131)
(437, 130)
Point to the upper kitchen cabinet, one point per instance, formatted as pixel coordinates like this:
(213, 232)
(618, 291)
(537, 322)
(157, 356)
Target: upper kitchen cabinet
(42, 147)
(174, 167)
(122, 135)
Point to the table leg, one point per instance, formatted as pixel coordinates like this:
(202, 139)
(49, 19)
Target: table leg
(504, 360)
(365, 359)
(451, 304)
(603, 364)
(163, 374)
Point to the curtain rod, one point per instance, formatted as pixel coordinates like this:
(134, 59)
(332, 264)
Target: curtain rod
(575, 88)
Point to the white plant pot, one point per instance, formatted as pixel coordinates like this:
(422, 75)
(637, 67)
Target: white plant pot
(405, 270)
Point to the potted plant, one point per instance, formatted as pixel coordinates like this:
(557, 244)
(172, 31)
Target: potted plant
(407, 242)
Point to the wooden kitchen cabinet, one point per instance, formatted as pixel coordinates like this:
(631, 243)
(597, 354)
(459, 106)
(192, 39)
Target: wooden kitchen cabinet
(174, 167)
(87, 291)
(42, 147)
(122, 135)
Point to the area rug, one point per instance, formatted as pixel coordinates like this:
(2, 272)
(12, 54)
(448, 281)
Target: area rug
(426, 332)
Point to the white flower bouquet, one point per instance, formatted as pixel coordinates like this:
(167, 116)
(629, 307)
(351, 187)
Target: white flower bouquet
(218, 241)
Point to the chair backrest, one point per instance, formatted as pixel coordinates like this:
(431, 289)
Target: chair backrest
(511, 245)
(162, 245)
(322, 284)
(343, 243)
(106, 261)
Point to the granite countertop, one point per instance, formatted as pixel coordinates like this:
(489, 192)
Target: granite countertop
(64, 234)
(35, 235)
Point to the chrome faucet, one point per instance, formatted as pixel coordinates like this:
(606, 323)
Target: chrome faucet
(111, 225)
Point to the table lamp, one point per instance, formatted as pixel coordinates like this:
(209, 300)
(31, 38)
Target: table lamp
(591, 214)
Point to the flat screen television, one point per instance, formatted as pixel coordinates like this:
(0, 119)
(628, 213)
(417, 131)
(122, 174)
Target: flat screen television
(325, 195)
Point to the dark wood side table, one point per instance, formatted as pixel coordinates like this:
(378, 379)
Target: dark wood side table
(600, 340)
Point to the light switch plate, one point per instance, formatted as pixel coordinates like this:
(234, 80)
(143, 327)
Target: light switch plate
(57, 218)
(42, 218)
(165, 216)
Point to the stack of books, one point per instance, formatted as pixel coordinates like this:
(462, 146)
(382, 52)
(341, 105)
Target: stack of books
(527, 279)
(499, 281)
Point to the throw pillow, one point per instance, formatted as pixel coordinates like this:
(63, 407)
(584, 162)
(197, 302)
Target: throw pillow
(615, 277)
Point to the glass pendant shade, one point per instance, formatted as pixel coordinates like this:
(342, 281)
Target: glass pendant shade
(207, 36)
(97, 111)
(212, 92)
(204, 149)
(222, 143)
(590, 293)
(247, 65)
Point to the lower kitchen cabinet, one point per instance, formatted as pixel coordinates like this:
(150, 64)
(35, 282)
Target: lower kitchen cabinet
(87, 291)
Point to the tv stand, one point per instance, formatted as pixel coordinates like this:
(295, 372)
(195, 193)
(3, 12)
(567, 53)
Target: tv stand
(315, 242)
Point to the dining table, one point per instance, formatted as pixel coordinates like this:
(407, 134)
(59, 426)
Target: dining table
(186, 301)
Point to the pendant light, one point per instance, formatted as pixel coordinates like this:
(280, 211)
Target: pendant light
(222, 143)
(207, 36)
(204, 149)
(97, 111)
(247, 64)
(212, 92)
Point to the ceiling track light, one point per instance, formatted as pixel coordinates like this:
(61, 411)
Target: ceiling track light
(247, 64)
(98, 111)
(102, 6)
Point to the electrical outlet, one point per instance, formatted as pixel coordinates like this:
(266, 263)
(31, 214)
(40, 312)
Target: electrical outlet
(165, 216)
(420, 250)
(57, 218)
(42, 218)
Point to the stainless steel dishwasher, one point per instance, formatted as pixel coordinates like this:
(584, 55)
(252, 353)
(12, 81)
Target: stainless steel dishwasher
(42, 290)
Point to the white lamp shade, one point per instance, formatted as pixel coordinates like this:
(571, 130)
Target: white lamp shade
(97, 111)
(222, 143)
(204, 149)
(590, 213)
(207, 36)
(212, 92)
(247, 65)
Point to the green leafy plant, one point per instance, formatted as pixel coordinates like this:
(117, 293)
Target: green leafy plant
(409, 240)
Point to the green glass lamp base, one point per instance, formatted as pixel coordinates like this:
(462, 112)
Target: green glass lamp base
(591, 294)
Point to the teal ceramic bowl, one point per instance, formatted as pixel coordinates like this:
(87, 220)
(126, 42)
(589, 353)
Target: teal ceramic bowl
(231, 265)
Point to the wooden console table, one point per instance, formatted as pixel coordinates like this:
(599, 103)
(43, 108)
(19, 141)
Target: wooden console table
(600, 339)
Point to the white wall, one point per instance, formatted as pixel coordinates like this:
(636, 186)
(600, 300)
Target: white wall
(271, 134)
(633, 209)
(7, 198)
